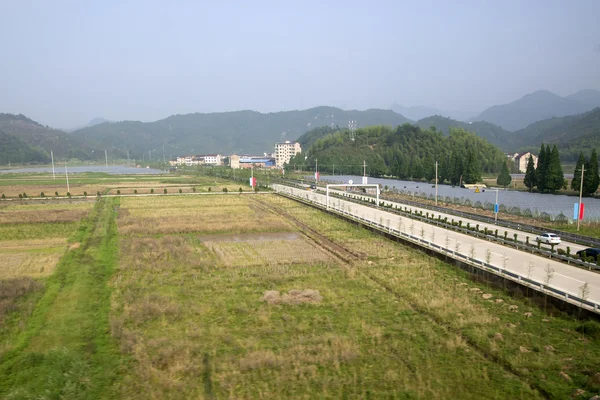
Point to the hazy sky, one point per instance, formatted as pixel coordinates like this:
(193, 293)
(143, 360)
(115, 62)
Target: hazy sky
(66, 62)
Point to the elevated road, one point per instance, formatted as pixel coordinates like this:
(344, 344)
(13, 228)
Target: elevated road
(510, 232)
(567, 279)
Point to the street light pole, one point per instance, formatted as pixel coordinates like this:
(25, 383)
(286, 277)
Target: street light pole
(67, 175)
(436, 182)
(496, 209)
(580, 193)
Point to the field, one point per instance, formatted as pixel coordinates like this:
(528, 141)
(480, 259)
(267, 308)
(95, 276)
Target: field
(256, 296)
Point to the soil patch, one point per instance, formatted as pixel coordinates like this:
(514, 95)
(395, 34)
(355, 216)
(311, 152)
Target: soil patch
(251, 237)
(293, 297)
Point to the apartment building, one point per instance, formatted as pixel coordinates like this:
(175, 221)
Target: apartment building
(284, 151)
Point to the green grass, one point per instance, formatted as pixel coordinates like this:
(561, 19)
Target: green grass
(65, 350)
(36, 230)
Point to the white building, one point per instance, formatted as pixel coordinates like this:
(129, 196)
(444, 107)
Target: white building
(284, 151)
(212, 159)
(521, 160)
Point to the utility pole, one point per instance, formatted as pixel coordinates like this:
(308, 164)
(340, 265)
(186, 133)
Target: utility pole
(436, 182)
(106, 159)
(333, 169)
(51, 155)
(67, 175)
(580, 193)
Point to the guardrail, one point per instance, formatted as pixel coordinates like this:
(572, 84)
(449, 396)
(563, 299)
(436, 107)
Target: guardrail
(568, 297)
(507, 242)
(571, 237)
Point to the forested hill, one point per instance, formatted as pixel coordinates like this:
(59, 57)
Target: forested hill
(14, 150)
(571, 134)
(492, 133)
(227, 132)
(406, 152)
(45, 139)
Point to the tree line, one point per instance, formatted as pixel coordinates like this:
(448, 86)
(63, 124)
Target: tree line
(406, 152)
(548, 176)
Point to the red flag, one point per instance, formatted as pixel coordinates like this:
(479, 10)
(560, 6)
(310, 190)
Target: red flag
(581, 208)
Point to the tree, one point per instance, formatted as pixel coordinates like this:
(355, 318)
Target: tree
(590, 175)
(576, 182)
(472, 171)
(504, 179)
(555, 176)
(541, 173)
(529, 179)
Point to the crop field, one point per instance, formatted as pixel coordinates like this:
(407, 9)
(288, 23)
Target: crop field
(203, 213)
(13, 185)
(259, 297)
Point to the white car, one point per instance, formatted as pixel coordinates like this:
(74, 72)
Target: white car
(548, 238)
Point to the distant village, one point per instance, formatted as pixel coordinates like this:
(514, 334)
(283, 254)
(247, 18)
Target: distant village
(284, 151)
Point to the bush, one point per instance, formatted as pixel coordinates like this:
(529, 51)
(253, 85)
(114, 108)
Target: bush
(24, 195)
(118, 192)
(194, 189)
(3, 196)
(240, 190)
(515, 237)
(42, 194)
(68, 194)
(98, 193)
(224, 190)
(569, 251)
(180, 191)
(165, 190)
(496, 233)
(134, 191)
(84, 194)
(20, 196)
(561, 252)
(151, 191)
(56, 194)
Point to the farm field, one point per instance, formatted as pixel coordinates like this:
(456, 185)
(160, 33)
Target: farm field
(228, 296)
(13, 185)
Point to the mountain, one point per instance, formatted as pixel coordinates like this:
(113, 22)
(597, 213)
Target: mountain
(45, 138)
(15, 150)
(225, 132)
(492, 133)
(589, 97)
(538, 106)
(572, 134)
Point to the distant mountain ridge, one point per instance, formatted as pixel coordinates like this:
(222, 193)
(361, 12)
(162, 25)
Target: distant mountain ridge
(572, 134)
(539, 106)
(226, 132)
(492, 133)
(45, 139)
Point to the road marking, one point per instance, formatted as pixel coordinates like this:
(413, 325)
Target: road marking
(566, 276)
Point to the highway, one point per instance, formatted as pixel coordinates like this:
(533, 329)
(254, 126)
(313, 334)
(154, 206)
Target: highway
(564, 277)
(521, 235)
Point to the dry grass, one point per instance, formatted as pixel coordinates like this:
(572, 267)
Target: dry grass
(208, 214)
(268, 252)
(42, 216)
(11, 290)
(195, 329)
(294, 297)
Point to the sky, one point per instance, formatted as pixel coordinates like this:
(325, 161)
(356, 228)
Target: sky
(64, 62)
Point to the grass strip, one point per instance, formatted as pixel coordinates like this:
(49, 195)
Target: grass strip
(66, 350)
